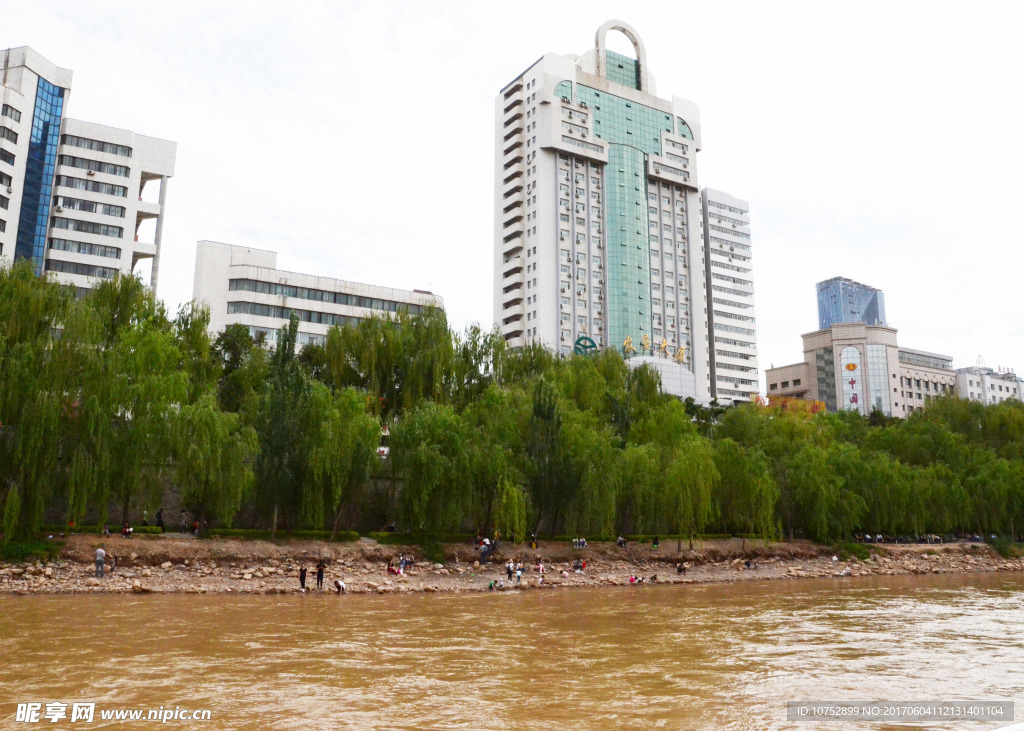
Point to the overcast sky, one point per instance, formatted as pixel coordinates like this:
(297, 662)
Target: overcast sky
(879, 141)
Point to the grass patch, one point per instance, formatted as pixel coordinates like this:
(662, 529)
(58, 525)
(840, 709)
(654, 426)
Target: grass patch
(256, 534)
(37, 548)
(115, 530)
(846, 550)
(1007, 548)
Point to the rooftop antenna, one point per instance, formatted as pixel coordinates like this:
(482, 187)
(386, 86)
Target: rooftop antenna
(980, 362)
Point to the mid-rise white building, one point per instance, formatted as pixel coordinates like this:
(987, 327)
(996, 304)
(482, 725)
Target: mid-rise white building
(75, 197)
(988, 386)
(730, 287)
(242, 285)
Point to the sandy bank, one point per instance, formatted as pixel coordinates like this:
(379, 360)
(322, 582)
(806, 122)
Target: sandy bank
(179, 564)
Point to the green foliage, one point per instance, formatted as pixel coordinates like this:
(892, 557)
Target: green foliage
(104, 400)
(846, 550)
(40, 549)
(252, 534)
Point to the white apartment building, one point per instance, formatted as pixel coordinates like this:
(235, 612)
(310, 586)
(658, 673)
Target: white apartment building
(74, 196)
(242, 285)
(730, 287)
(597, 231)
(988, 386)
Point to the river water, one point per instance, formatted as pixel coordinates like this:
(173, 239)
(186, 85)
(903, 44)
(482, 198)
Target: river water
(701, 657)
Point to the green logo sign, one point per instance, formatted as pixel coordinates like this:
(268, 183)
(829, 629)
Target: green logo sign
(584, 346)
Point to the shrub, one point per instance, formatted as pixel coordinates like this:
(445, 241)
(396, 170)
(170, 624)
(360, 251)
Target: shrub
(115, 530)
(1006, 547)
(846, 550)
(258, 534)
(38, 548)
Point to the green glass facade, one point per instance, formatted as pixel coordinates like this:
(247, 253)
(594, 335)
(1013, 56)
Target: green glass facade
(623, 69)
(631, 131)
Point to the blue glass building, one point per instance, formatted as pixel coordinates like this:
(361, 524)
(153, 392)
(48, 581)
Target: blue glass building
(843, 300)
(39, 167)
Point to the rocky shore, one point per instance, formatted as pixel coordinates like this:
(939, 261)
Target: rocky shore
(180, 564)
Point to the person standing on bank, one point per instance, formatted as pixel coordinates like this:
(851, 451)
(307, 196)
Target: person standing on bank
(184, 523)
(302, 578)
(320, 575)
(160, 519)
(100, 556)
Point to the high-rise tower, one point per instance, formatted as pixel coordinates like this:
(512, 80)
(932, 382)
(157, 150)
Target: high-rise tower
(597, 209)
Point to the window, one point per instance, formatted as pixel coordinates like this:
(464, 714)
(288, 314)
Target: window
(77, 204)
(4, 202)
(106, 147)
(5, 180)
(92, 186)
(9, 111)
(6, 157)
(88, 227)
(9, 135)
(85, 270)
(95, 165)
(796, 381)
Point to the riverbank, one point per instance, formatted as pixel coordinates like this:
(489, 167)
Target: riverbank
(175, 563)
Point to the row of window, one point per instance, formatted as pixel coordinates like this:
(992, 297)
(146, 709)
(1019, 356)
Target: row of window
(734, 354)
(732, 316)
(737, 244)
(285, 313)
(731, 303)
(723, 265)
(88, 227)
(78, 204)
(84, 163)
(98, 145)
(737, 330)
(93, 186)
(785, 384)
(730, 231)
(320, 295)
(8, 111)
(731, 209)
(727, 290)
(733, 280)
(80, 247)
(85, 270)
(8, 134)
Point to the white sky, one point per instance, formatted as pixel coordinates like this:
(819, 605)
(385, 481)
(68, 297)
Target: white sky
(879, 141)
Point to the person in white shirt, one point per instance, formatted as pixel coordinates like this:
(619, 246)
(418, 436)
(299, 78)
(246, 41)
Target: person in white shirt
(100, 556)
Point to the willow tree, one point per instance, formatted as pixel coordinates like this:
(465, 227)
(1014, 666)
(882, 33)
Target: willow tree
(428, 453)
(747, 494)
(132, 387)
(281, 429)
(38, 377)
(687, 495)
(400, 361)
(213, 451)
(343, 451)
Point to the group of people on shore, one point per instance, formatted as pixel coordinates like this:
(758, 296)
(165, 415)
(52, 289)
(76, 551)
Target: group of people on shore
(321, 567)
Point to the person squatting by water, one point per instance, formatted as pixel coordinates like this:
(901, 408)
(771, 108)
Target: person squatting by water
(339, 586)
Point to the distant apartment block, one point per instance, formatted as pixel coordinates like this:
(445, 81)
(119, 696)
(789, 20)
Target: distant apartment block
(242, 285)
(80, 200)
(988, 386)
